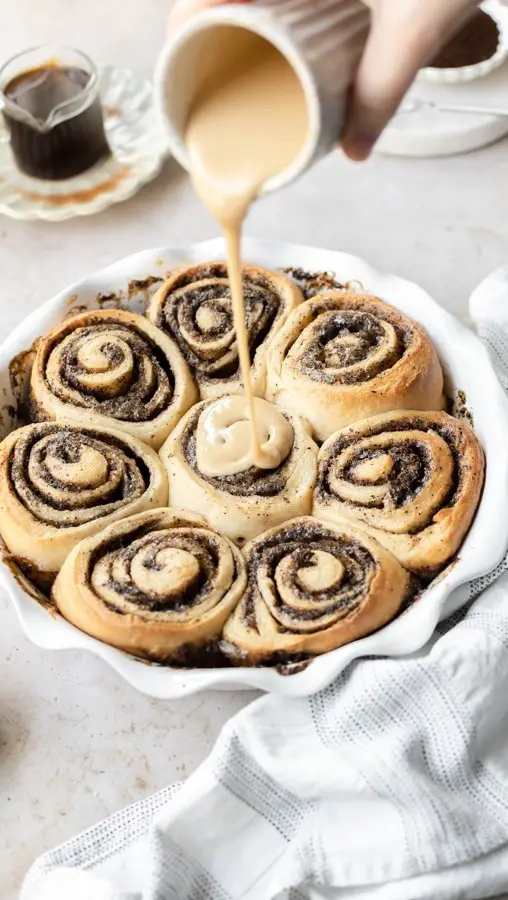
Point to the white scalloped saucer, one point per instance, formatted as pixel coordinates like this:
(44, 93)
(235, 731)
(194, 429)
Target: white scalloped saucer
(467, 367)
(138, 149)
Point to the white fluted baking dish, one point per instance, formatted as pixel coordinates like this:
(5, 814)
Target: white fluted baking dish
(467, 368)
(498, 11)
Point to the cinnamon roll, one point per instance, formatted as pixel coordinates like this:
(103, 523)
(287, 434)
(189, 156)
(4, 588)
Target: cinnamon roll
(411, 479)
(208, 458)
(60, 483)
(312, 587)
(112, 369)
(342, 357)
(160, 584)
(194, 308)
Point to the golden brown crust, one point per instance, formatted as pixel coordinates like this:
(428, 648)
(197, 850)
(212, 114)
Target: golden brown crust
(245, 504)
(342, 357)
(410, 479)
(155, 584)
(111, 369)
(312, 587)
(194, 308)
(60, 483)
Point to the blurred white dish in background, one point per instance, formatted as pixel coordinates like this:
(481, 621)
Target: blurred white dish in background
(430, 131)
(460, 74)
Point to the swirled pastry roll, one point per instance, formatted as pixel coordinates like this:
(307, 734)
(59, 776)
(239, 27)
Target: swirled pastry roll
(159, 584)
(239, 498)
(342, 357)
(411, 479)
(111, 369)
(194, 308)
(312, 587)
(60, 483)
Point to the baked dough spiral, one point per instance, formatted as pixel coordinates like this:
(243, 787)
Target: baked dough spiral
(194, 308)
(312, 587)
(111, 369)
(60, 483)
(411, 479)
(244, 503)
(159, 584)
(342, 357)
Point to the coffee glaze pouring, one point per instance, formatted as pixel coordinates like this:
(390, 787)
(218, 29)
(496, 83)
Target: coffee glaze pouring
(224, 444)
(247, 124)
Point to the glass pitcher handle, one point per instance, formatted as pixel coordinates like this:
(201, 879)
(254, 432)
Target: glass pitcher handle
(5, 134)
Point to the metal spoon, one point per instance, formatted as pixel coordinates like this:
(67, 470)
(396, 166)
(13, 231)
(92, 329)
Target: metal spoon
(417, 104)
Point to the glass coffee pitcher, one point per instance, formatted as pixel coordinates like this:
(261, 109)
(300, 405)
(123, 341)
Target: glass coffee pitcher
(52, 112)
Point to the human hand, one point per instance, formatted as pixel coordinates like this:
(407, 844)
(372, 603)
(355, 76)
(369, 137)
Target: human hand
(404, 36)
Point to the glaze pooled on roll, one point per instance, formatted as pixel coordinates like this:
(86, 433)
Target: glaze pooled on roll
(312, 587)
(60, 483)
(194, 308)
(244, 499)
(342, 357)
(159, 584)
(224, 443)
(113, 369)
(411, 479)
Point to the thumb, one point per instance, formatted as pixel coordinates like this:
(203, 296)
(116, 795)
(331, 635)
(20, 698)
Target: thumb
(403, 37)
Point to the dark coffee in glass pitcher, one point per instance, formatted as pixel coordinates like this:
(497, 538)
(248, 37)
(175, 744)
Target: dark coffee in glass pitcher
(53, 113)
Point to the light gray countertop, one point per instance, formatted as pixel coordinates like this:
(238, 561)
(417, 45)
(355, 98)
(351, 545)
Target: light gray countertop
(77, 743)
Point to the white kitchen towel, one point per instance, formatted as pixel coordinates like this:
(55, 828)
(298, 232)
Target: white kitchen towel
(391, 784)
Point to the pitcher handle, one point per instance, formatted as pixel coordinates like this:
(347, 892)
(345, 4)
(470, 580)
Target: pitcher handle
(5, 135)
